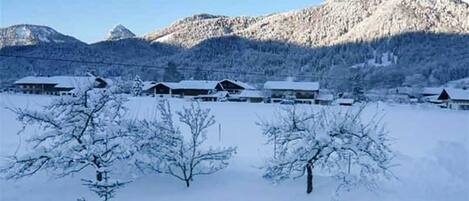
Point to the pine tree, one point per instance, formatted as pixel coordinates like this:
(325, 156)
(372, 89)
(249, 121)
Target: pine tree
(137, 87)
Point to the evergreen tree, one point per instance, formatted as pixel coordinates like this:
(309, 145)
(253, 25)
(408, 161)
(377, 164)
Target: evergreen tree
(137, 87)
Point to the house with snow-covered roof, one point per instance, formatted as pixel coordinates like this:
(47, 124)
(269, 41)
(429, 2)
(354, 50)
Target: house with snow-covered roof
(195, 87)
(455, 98)
(301, 92)
(58, 85)
(159, 88)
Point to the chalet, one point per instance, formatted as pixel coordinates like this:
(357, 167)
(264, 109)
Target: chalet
(300, 92)
(233, 86)
(195, 87)
(58, 85)
(159, 88)
(345, 101)
(252, 96)
(455, 98)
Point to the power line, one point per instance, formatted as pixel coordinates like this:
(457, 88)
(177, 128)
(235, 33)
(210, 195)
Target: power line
(253, 73)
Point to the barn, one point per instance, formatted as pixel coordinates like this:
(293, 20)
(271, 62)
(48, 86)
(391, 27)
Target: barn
(159, 88)
(457, 99)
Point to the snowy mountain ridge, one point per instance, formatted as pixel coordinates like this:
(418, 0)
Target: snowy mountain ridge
(25, 34)
(333, 22)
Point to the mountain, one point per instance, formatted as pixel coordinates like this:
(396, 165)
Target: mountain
(26, 34)
(333, 22)
(343, 44)
(192, 30)
(120, 32)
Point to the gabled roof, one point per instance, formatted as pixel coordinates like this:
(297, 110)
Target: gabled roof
(196, 84)
(150, 84)
(239, 83)
(60, 81)
(290, 85)
(455, 94)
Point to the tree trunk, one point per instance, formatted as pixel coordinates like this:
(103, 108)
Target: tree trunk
(99, 176)
(309, 171)
(187, 183)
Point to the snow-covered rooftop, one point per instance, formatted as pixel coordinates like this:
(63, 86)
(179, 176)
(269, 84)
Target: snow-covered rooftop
(59, 81)
(196, 84)
(290, 85)
(242, 84)
(457, 94)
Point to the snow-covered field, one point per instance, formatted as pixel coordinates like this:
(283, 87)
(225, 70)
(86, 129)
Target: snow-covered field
(432, 147)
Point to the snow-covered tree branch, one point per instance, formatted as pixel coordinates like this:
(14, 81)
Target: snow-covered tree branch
(76, 133)
(181, 155)
(340, 143)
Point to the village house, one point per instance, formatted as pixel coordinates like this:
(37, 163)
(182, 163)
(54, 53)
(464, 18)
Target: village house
(58, 85)
(159, 88)
(299, 92)
(457, 99)
(195, 88)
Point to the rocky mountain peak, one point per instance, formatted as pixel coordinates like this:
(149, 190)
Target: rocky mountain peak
(120, 32)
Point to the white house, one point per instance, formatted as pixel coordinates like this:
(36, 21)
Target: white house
(455, 98)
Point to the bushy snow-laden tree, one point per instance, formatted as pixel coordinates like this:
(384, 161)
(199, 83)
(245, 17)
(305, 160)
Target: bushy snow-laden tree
(86, 131)
(339, 143)
(137, 87)
(165, 148)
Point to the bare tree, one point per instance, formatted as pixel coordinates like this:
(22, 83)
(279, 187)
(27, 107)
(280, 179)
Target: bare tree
(76, 133)
(166, 149)
(354, 151)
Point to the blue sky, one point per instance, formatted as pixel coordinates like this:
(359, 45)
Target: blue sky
(90, 20)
